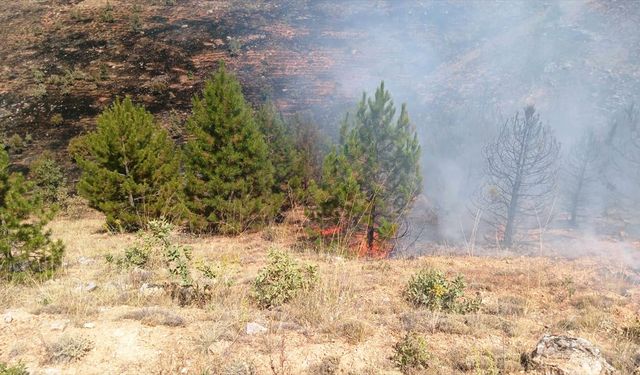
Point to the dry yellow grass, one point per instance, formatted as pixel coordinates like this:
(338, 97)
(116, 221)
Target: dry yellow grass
(348, 324)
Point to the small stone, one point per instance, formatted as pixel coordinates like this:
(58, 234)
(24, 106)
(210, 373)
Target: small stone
(8, 318)
(148, 290)
(52, 371)
(91, 286)
(83, 261)
(254, 328)
(59, 325)
(89, 325)
(185, 26)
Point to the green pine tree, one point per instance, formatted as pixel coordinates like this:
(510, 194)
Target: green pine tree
(229, 177)
(377, 163)
(286, 160)
(26, 247)
(130, 168)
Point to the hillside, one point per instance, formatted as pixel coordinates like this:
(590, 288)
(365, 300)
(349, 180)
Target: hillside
(348, 324)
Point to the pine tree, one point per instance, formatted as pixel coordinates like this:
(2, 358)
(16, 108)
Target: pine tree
(130, 168)
(229, 177)
(25, 247)
(289, 172)
(377, 163)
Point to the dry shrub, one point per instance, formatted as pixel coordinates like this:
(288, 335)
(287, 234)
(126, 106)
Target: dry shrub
(69, 348)
(328, 366)
(153, 316)
(327, 306)
(354, 331)
(507, 305)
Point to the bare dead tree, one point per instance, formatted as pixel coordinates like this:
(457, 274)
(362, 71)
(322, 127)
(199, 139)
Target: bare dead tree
(580, 174)
(521, 169)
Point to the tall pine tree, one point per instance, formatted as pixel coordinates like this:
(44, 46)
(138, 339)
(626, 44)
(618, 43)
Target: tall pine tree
(130, 168)
(26, 247)
(378, 158)
(229, 177)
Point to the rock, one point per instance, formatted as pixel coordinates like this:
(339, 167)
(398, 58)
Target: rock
(149, 290)
(90, 287)
(8, 318)
(564, 355)
(254, 328)
(52, 371)
(83, 261)
(89, 325)
(59, 325)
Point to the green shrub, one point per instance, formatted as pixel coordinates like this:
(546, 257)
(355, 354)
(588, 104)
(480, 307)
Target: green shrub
(431, 289)
(16, 144)
(56, 119)
(26, 247)
(18, 369)
(282, 279)
(155, 247)
(49, 180)
(411, 353)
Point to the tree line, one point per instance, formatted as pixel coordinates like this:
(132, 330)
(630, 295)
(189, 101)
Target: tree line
(238, 169)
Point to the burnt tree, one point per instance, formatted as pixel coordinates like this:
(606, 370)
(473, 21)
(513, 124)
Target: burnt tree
(520, 172)
(580, 174)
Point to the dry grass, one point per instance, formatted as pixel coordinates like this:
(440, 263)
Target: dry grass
(349, 321)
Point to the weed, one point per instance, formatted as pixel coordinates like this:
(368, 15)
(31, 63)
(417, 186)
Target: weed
(19, 369)
(431, 289)
(16, 144)
(282, 279)
(411, 353)
(106, 14)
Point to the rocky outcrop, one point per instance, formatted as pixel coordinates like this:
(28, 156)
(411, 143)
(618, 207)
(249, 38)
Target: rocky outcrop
(564, 355)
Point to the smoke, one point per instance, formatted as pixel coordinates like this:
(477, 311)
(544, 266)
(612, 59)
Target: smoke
(463, 67)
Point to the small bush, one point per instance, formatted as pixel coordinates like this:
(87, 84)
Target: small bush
(155, 317)
(431, 289)
(69, 348)
(18, 369)
(411, 353)
(56, 119)
(329, 365)
(282, 279)
(134, 256)
(16, 144)
(50, 183)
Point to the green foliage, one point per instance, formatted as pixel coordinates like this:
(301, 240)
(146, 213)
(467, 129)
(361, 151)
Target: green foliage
(26, 247)
(106, 14)
(431, 289)
(19, 369)
(282, 279)
(411, 353)
(16, 144)
(289, 171)
(155, 247)
(130, 168)
(377, 162)
(56, 119)
(229, 177)
(49, 180)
